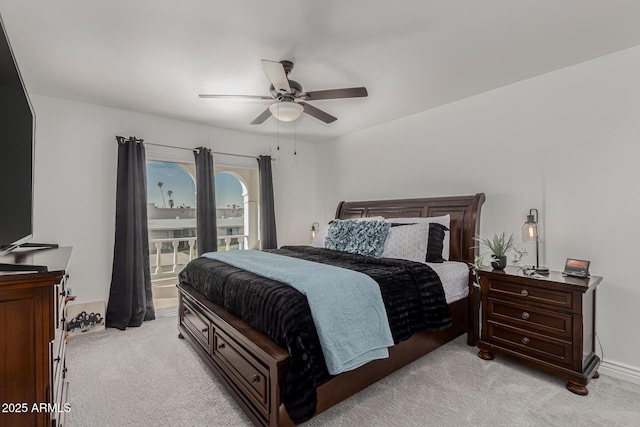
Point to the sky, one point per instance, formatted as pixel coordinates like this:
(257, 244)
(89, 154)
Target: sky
(174, 178)
(228, 190)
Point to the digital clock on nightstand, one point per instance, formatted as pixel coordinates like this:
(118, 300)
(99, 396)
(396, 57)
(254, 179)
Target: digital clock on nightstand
(576, 267)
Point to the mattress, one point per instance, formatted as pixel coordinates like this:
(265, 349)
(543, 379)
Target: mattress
(454, 276)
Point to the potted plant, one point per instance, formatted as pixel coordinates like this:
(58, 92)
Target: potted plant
(499, 245)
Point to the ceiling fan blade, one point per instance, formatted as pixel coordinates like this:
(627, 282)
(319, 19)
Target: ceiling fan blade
(276, 75)
(206, 95)
(352, 92)
(262, 117)
(317, 113)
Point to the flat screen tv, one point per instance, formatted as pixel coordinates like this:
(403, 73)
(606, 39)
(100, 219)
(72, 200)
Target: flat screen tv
(17, 125)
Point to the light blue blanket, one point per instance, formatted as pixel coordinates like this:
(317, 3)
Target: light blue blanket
(346, 305)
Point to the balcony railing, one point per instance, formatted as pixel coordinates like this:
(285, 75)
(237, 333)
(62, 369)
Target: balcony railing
(171, 262)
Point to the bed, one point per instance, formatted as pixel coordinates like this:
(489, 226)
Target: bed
(253, 368)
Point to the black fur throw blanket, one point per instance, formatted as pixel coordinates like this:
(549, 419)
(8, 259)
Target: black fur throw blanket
(412, 294)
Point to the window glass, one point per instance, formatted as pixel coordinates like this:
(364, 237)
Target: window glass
(230, 215)
(171, 213)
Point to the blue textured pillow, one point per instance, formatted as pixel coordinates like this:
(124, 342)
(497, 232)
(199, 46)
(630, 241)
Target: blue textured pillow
(357, 237)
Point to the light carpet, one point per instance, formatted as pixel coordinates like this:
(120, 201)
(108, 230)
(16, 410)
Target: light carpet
(146, 376)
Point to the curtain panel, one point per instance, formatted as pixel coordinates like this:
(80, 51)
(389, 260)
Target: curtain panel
(268, 238)
(205, 202)
(130, 295)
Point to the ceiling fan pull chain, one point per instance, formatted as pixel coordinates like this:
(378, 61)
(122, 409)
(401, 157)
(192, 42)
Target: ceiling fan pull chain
(295, 138)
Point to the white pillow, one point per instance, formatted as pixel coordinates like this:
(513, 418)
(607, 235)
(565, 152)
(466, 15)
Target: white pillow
(407, 242)
(444, 220)
(318, 241)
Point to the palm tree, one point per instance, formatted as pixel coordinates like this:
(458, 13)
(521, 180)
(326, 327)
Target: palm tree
(170, 193)
(160, 184)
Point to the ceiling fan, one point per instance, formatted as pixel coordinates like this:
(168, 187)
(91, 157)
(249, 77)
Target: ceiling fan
(290, 97)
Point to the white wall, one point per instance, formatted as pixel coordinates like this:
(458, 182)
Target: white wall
(75, 179)
(566, 143)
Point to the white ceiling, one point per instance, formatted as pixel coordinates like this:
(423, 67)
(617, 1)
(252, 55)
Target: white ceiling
(156, 56)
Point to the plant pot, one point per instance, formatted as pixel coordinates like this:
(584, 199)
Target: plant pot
(499, 263)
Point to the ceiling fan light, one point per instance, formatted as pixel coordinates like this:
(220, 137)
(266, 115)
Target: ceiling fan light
(286, 111)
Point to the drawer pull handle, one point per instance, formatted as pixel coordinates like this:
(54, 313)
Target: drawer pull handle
(57, 359)
(525, 340)
(186, 311)
(255, 379)
(525, 315)
(221, 346)
(204, 330)
(524, 292)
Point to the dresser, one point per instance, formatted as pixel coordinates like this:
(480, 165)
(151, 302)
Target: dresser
(547, 322)
(32, 340)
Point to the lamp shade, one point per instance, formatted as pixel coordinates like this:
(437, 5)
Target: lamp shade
(531, 230)
(532, 233)
(314, 230)
(286, 111)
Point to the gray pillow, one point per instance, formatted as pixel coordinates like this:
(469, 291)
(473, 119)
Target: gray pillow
(407, 242)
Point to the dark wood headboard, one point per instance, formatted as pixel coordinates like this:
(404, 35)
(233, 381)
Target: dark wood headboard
(464, 211)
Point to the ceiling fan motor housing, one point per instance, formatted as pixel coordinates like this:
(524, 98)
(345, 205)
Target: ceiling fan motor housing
(296, 88)
(287, 65)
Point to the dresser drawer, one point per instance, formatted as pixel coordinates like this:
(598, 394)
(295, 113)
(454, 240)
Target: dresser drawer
(58, 348)
(529, 295)
(539, 346)
(58, 417)
(555, 324)
(197, 323)
(58, 369)
(252, 374)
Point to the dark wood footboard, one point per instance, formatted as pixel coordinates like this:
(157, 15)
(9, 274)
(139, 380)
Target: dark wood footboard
(247, 362)
(252, 367)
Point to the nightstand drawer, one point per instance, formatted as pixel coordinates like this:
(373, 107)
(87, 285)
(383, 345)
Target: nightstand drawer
(530, 294)
(539, 346)
(559, 325)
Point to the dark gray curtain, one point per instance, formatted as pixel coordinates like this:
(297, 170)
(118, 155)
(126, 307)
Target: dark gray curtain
(130, 297)
(267, 210)
(205, 202)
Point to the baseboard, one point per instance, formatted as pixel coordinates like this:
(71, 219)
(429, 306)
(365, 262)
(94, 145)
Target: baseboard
(620, 371)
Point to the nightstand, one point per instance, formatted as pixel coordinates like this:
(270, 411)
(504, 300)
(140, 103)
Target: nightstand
(547, 322)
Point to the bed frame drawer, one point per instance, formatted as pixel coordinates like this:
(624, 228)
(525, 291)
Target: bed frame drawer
(197, 323)
(252, 375)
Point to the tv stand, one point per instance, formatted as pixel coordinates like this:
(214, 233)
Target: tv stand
(33, 338)
(17, 260)
(23, 267)
(39, 245)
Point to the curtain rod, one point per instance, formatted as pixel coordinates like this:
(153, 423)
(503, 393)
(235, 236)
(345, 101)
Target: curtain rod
(193, 149)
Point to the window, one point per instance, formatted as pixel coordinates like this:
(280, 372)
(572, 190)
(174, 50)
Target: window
(236, 206)
(230, 210)
(171, 213)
